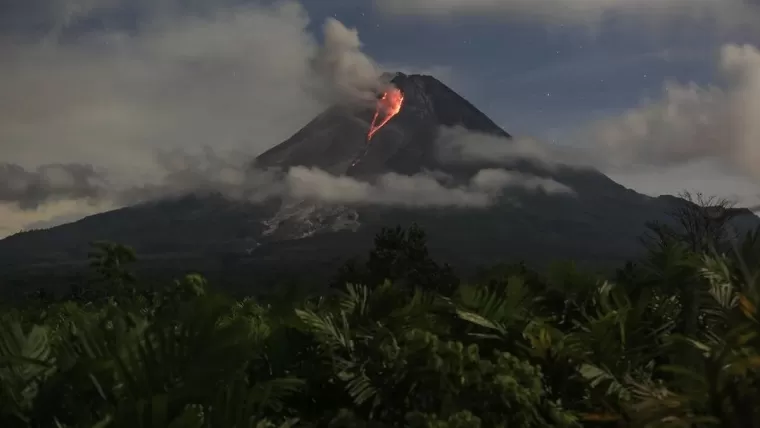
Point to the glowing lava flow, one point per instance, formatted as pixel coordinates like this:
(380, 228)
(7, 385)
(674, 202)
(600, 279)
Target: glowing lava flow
(387, 107)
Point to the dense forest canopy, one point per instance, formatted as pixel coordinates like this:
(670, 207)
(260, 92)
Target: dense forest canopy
(396, 339)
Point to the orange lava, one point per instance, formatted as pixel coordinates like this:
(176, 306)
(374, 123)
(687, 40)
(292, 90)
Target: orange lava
(387, 107)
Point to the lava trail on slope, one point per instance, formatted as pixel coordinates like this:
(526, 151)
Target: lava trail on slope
(388, 106)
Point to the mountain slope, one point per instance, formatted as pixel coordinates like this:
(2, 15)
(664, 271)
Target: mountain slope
(405, 145)
(600, 224)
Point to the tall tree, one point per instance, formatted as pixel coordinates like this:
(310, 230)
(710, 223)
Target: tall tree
(111, 261)
(699, 225)
(400, 256)
(701, 222)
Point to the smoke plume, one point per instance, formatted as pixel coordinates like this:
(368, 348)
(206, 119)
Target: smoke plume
(345, 70)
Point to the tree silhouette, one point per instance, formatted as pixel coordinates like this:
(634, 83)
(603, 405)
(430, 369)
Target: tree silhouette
(111, 261)
(400, 256)
(700, 222)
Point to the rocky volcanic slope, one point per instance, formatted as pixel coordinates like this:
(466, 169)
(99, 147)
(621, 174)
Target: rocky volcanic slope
(227, 239)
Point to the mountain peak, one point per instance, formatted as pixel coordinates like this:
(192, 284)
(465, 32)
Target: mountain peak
(337, 138)
(448, 108)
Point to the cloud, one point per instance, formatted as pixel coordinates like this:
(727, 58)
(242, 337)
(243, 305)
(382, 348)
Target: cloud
(459, 145)
(175, 77)
(694, 177)
(237, 78)
(689, 123)
(13, 220)
(206, 172)
(237, 180)
(232, 176)
(582, 12)
(421, 190)
(28, 189)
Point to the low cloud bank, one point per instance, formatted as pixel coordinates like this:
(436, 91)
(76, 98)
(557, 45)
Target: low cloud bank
(232, 177)
(29, 189)
(421, 190)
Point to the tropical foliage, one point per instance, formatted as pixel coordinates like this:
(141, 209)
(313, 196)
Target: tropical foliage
(671, 340)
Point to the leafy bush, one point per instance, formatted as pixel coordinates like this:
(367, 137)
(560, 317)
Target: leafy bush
(672, 340)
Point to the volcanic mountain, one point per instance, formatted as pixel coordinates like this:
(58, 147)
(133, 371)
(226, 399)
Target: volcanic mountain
(228, 240)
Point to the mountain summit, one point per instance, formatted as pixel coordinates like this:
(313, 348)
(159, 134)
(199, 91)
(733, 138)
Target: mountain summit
(229, 240)
(338, 137)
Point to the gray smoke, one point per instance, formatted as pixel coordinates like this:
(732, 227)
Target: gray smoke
(345, 71)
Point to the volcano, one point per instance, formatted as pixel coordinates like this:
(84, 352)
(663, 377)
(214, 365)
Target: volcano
(406, 144)
(232, 241)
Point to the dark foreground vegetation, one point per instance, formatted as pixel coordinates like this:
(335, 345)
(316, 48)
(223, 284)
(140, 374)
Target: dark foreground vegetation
(397, 340)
